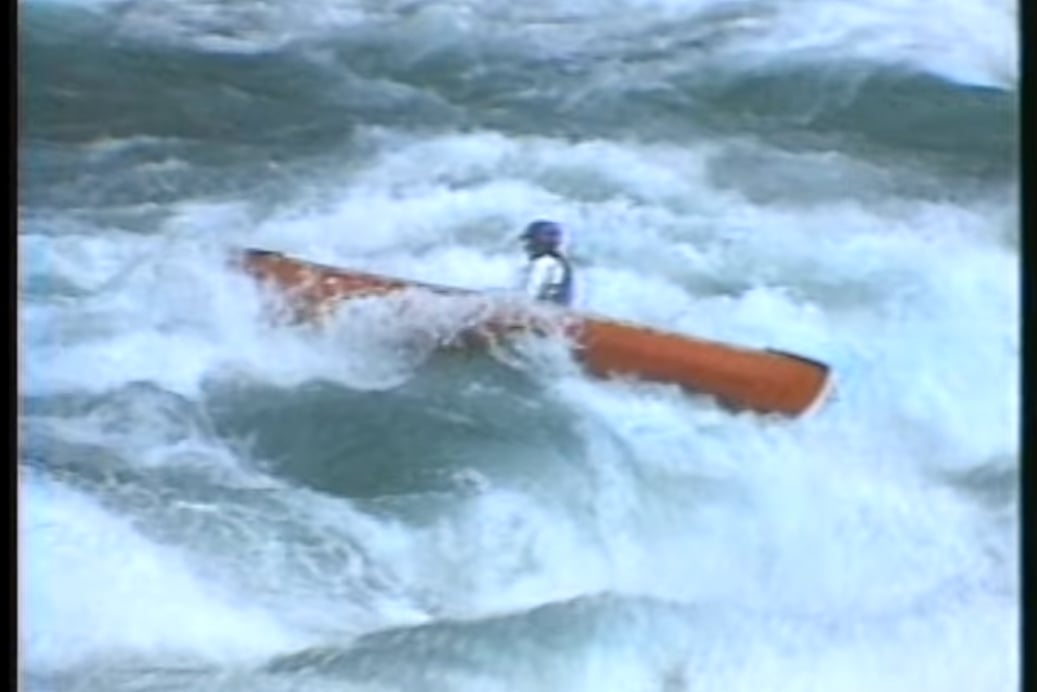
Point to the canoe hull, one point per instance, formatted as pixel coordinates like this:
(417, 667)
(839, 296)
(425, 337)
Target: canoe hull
(764, 381)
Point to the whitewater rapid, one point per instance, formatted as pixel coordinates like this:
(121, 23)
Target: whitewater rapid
(211, 501)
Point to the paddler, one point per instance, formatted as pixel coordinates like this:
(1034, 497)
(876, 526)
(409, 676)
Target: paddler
(547, 275)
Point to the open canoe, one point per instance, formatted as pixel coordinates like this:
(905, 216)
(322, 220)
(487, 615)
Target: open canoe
(761, 380)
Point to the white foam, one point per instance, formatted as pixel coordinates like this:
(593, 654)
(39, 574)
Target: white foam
(971, 42)
(91, 585)
(858, 287)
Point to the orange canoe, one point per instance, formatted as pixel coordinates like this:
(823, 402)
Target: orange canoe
(765, 381)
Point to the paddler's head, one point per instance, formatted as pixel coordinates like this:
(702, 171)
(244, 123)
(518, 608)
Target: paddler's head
(541, 238)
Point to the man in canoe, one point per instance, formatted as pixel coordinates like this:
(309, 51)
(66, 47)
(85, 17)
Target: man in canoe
(548, 275)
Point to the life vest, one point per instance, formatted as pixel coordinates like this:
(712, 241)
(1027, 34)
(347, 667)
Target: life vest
(557, 289)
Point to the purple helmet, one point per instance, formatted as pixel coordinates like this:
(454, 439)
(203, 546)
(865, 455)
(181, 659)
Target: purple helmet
(542, 236)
